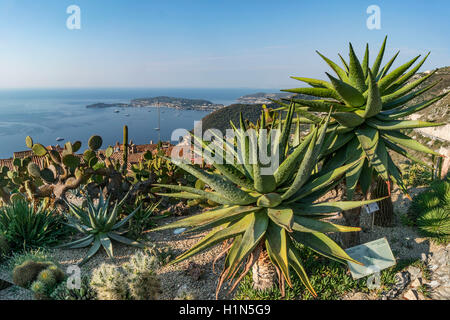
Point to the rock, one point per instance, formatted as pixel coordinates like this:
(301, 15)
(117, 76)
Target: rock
(359, 296)
(416, 283)
(424, 257)
(433, 284)
(411, 295)
(414, 272)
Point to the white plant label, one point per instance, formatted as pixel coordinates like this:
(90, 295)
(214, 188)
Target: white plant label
(371, 207)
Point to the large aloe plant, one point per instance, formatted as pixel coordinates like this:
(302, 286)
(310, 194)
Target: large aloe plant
(266, 212)
(368, 106)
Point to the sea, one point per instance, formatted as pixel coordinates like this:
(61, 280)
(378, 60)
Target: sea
(48, 114)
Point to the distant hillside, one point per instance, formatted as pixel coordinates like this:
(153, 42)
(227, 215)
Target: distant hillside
(220, 119)
(440, 110)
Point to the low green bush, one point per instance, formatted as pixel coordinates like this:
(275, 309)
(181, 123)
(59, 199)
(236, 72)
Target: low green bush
(430, 211)
(26, 226)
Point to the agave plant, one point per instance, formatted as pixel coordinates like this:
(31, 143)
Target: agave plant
(100, 223)
(265, 213)
(368, 104)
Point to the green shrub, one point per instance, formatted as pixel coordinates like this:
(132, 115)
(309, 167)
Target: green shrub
(430, 211)
(25, 226)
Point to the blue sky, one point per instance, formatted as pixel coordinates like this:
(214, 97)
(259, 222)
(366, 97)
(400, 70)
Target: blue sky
(204, 43)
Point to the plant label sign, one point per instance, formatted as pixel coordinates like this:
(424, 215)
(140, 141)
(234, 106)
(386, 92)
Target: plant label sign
(375, 255)
(371, 207)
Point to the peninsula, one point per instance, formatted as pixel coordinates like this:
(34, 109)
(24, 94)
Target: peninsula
(162, 101)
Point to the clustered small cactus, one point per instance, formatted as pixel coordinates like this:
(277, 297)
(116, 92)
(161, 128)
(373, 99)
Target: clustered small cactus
(136, 280)
(40, 276)
(85, 292)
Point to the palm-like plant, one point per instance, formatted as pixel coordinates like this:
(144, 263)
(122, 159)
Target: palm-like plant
(100, 224)
(265, 213)
(368, 104)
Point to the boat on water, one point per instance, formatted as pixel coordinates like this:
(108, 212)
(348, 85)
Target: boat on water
(116, 111)
(59, 139)
(157, 129)
(127, 115)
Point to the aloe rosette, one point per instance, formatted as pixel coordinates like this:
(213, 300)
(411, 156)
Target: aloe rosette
(271, 212)
(100, 223)
(368, 106)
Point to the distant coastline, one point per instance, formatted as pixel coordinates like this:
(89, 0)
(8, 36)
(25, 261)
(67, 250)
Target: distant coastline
(190, 104)
(162, 101)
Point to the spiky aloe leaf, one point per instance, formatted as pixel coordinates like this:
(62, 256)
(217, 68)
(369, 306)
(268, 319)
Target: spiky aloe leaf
(348, 119)
(394, 75)
(106, 244)
(404, 153)
(329, 207)
(294, 259)
(115, 236)
(213, 196)
(404, 94)
(396, 137)
(314, 82)
(322, 105)
(252, 236)
(400, 112)
(349, 94)
(365, 63)
(323, 245)
(225, 188)
(374, 104)
(83, 242)
(316, 92)
(379, 58)
(341, 73)
(304, 224)
(400, 124)
(354, 152)
(386, 68)
(277, 247)
(218, 215)
(93, 250)
(355, 72)
(321, 181)
(304, 171)
(397, 84)
(217, 235)
(282, 216)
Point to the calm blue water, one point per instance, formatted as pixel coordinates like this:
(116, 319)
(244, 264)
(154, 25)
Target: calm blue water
(47, 114)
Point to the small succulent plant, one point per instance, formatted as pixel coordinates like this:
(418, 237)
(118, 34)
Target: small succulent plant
(100, 224)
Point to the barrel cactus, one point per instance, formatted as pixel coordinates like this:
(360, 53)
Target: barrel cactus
(268, 212)
(368, 105)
